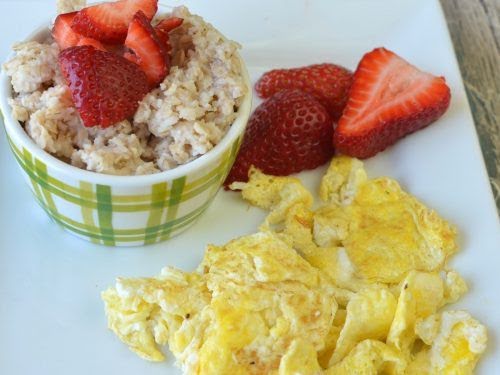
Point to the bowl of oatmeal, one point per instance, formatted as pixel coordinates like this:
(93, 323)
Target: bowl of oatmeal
(146, 178)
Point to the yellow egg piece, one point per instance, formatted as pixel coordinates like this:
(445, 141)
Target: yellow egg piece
(421, 295)
(370, 357)
(370, 313)
(392, 233)
(455, 340)
(342, 180)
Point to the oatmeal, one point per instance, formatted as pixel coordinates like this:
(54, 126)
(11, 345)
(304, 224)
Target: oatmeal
(182, 119)
(66, 6)
(35, 64)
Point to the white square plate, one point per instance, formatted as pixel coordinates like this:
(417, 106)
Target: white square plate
(51, 315)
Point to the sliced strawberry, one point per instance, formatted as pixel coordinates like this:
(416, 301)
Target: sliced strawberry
(108, 22)
(328, 83)
(66, 37)
(164, 27)
(168, 24)
(149, 51)
(91, 42)
(288, 133)
(389, 99)
(105, 87)
(62, 32)
(164, 39)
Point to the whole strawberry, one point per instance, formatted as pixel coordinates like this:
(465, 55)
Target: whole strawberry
(288, 133)
(388, 100)
(328, 83)
(105, 87)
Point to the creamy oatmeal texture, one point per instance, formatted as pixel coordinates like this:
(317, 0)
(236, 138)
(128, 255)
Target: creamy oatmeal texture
(175, 123)
(66, 6)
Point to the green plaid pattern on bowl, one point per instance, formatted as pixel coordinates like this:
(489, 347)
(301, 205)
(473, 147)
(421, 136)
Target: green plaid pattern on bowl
(103, 215)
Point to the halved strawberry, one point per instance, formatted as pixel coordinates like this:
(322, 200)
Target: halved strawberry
(149, 51)
(389, 98)
(108, 22)
(288, 133)
(168, 24)
(62, 32)
(105, 87)
(328, 83)
(66, 37)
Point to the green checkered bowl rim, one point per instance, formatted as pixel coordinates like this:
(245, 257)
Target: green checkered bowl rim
(21, 138)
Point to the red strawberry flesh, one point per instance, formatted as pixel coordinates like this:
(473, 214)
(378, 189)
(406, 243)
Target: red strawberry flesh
(164, 27)
(62, 32)
(91, 42)
(389, 99)
(168, 24)
(66, 37)
(328, 83)
(105, 87)
(108, 22)
(164, 38)
(150, 52)
(288, 133)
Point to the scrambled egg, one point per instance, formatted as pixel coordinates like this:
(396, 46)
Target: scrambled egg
(386, 232)
(455, 341)
(253, 302)
(352, 287)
